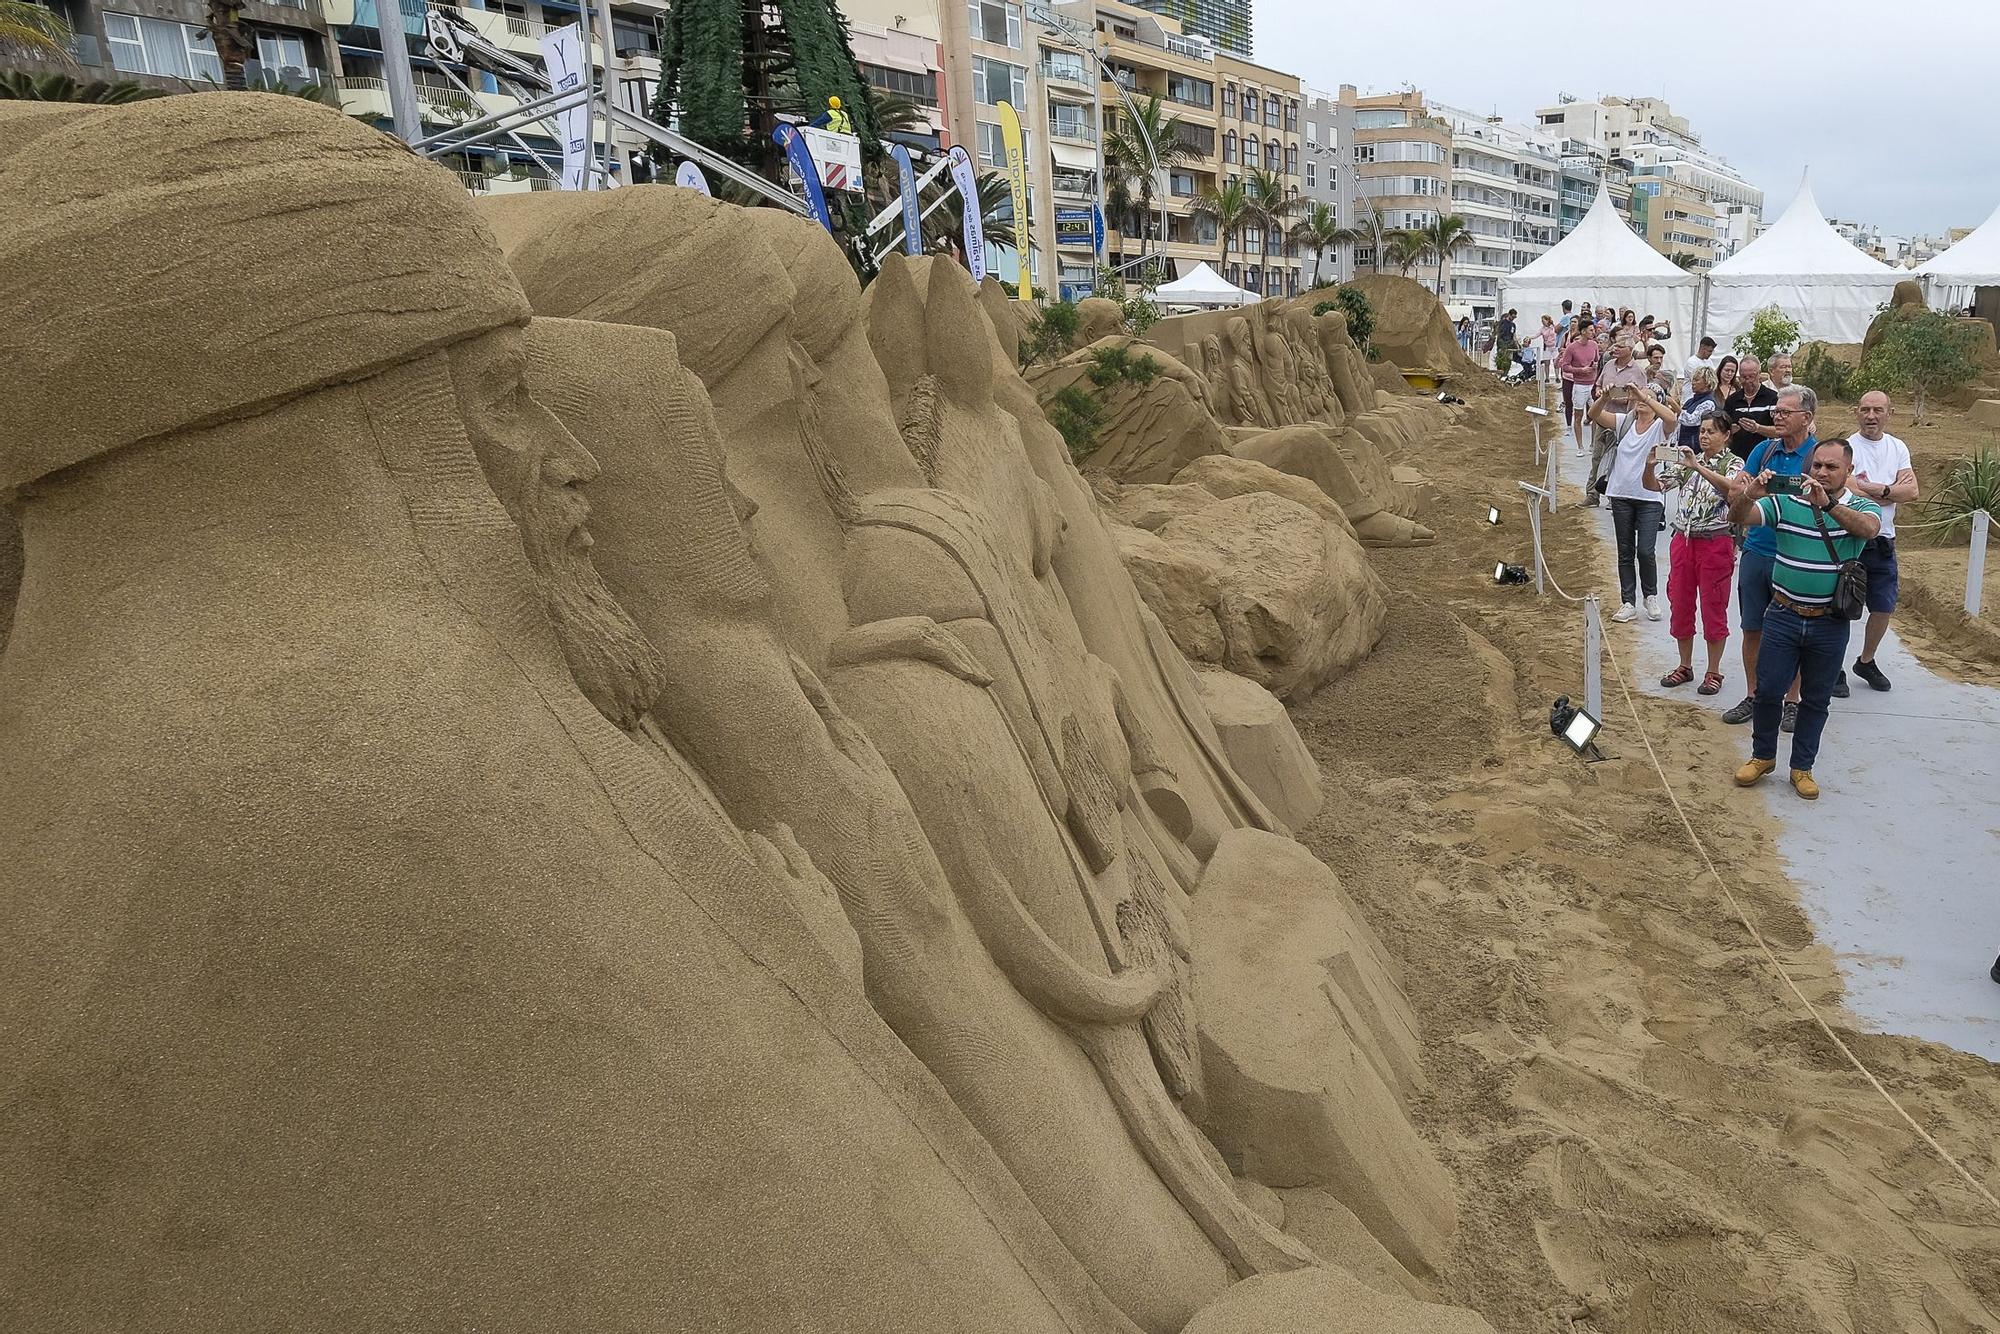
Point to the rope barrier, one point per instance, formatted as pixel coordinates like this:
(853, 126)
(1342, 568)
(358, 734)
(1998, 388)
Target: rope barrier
(1770, 956)
(1742, 916)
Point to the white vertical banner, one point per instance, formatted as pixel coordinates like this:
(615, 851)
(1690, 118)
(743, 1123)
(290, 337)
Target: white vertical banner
(568, 61)
(689, 177)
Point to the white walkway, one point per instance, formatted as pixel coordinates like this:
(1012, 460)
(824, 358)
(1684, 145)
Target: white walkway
(1898, 862)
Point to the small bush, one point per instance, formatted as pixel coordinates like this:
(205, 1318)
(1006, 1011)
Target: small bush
(1323, 307)
(1924, 354)
(1360, 316)
(1052, 334)
(1771, 332)
(1972, 484)
(1111, 364)
(1824, 373)
(1077, 416)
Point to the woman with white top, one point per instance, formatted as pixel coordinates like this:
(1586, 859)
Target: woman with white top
(1633, 488)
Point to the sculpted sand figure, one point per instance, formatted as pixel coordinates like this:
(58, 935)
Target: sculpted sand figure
(1246, 395)
(357, 972)
(778, 752)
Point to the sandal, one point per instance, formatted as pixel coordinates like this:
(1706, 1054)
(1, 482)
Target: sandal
(1710, 684)
(1679, 676)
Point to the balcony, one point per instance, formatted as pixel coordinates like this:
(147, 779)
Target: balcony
(1081, 78)
(1181, 46)
(1073, 131)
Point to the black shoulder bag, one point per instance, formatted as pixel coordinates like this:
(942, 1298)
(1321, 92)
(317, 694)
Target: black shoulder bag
(1850, 582)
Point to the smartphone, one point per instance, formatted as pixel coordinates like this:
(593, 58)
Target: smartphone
(1783, 486)
(1666, 453)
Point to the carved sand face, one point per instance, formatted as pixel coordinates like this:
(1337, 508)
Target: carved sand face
(537, 469)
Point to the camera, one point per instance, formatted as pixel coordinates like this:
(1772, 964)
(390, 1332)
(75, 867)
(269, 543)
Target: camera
(1782, 485)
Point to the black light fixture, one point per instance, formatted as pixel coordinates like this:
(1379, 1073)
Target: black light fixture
(1576, 727)
(1503, 573)
(1493, 514)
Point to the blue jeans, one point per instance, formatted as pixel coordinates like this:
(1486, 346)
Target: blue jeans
(1637, 523)
(1812, 648)
(1753, 590)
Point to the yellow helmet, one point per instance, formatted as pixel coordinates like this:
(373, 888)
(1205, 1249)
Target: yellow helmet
(833, 103)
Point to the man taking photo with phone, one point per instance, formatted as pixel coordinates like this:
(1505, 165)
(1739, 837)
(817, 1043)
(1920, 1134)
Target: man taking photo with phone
(1784, 456)
(1817, 523)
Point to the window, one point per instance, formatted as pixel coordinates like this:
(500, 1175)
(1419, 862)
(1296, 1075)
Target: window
(1069, 122)
(1190, 91)
(996, 81)
(1364, 152)
(282, 55)
(1252, 151)
(639, 38)
(1066, 65)
(1271, 112)
(1364, 257)
(919, 88)
(1291, 159)
(1229, 146)
(1250, 105)
(159, 46)
(999, 24)
(1181, 184)
(1274, 155)
(1228, 99)
(1204, 230)
(1291, 117)
(992, 152)
(1311, 170)
(1253, 240)
(1253, 278)
(1379, 120)
(1201, 138)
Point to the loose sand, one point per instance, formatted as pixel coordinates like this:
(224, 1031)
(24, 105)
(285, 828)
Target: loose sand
(1647, 1135)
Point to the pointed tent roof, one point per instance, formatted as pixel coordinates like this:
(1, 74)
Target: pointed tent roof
(1602, 248)
(1973, 262)
(1203, 287)
(1800, 244)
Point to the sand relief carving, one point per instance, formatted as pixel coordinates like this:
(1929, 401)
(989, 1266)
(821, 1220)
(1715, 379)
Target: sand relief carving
(433, 881)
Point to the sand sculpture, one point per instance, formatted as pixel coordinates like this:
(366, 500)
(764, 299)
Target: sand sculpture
(664, 814)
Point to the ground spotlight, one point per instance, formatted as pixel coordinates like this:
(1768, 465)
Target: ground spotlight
(1577, 728)
(1538, 412)
(1493, 514)
(1503, 573)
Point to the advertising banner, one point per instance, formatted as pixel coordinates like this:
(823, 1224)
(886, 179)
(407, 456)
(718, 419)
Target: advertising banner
(1017, 185)
(906, 176)
(801, 158)
(689, 177)
(568, 61)
(966, 179)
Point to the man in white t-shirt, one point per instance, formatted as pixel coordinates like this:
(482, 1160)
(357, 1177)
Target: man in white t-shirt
(1883, 474)
(1705, 355)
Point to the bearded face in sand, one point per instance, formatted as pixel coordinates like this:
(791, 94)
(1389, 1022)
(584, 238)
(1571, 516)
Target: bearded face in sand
(537, 468)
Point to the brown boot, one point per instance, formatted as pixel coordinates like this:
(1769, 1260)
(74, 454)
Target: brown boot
(1753, 772)
(1802, 783)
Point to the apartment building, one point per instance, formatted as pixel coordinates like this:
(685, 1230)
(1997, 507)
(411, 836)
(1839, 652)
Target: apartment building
(1584, 166)
(1677, 219)
(902, 60)
(1326, 180)
(165, 44)
(1225, 23)
(1506, 184)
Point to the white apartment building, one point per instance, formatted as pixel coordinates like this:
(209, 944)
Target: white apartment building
(1506, 183)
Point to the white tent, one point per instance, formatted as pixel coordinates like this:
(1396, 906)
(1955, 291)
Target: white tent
(1808, 270)
(1203, 287)
(1973, 262)
(1604, 261)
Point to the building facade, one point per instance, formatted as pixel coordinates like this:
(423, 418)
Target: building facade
(1326, 179)
(164, 44)
(1399, 157)
(1506, 184)
(1225, 23)
(1677, 220)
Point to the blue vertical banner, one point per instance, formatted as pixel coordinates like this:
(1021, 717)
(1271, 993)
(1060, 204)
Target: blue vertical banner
(801, 158)
(967, 180)
(913, 225)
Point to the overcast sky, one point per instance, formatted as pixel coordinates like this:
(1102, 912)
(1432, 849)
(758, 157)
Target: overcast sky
(1900, 123)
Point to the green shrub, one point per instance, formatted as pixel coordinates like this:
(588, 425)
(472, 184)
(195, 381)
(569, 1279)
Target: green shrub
(1923, 354)
(1115, 362)
(1360, 316)
(1771, 332)
(1824, 373)
(1077, 416)
(1052, 334)
(1972, 484)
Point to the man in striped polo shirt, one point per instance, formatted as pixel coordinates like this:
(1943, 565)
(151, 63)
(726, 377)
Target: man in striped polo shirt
(1802, 636)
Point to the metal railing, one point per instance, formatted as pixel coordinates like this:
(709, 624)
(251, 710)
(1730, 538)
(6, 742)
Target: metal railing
(1063, 74)
(1181, 46)
(1076, 130)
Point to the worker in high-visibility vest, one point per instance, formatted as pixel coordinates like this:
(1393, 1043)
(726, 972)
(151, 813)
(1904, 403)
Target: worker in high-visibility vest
(837, 119)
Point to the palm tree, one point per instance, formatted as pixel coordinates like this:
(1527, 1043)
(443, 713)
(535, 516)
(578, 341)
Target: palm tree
(1404, 249)
(1444, 236)
(1146, 143)
(994, 197)
(896, 113)
(1320, 231)
(1372, 232)
(20, 86)
(1228, 208)
(30, 30)
(1686, 259)
(1270, 207)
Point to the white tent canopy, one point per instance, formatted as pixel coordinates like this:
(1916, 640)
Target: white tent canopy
(1808, 270)
(1203, 287)
(1603, 261)
(1973, 262)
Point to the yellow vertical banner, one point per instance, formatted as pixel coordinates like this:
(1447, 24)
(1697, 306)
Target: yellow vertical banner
(1017, 185)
